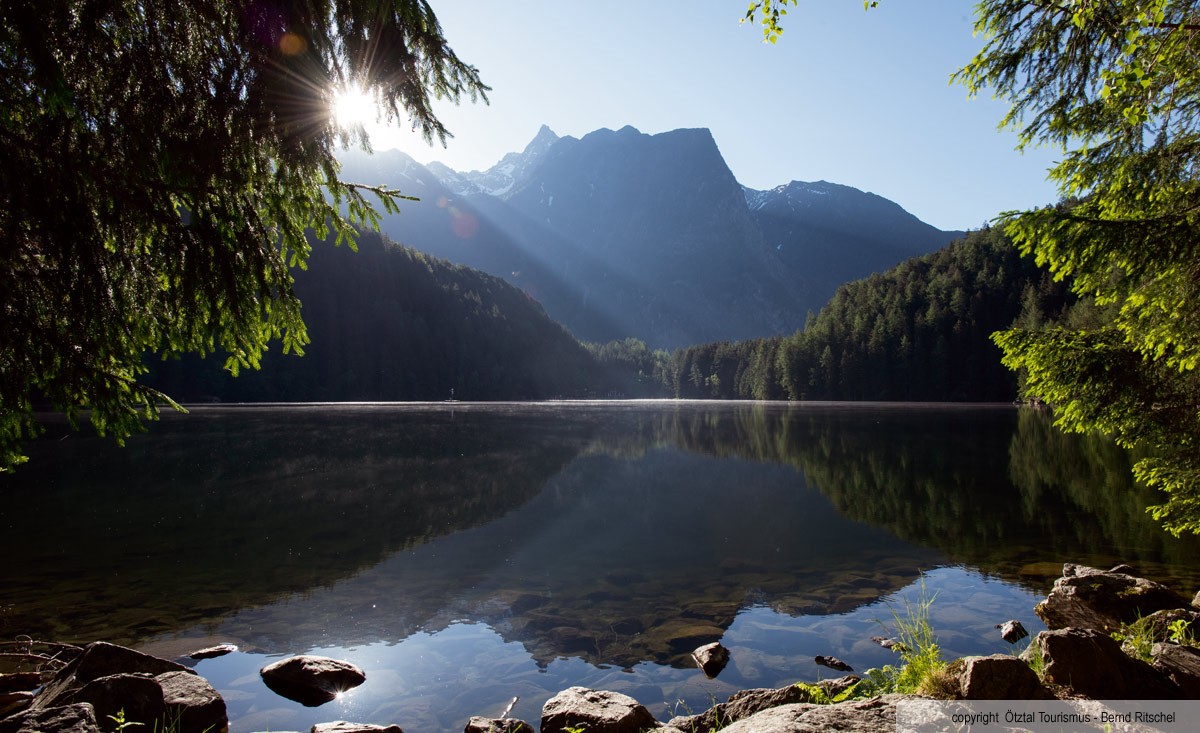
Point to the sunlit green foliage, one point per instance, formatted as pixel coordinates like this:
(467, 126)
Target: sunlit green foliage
(1116, 86)
(162, 162)
(772, 12)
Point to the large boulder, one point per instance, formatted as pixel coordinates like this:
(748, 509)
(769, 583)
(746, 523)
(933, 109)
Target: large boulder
(876, 715)
(999, 677)
(99, 659)
(192, 701)
(311, 680)
(596, 711)
(1092, 664)
(78, 718)
(1088, 598)
(145, 689)
(1181, 664)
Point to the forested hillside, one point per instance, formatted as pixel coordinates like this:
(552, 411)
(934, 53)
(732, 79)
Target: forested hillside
(391, 323)
(919, 331)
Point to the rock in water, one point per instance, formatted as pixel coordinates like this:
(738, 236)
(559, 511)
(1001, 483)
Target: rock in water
(342, 726)
(1012, 631)
(711, 658)
(890, 644)
(311, 680)
(833, 663)
(213, 651)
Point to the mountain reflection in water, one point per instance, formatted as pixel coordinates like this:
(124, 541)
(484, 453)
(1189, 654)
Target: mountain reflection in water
(617, 535)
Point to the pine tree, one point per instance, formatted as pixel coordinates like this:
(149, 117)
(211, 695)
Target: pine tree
(162, 162)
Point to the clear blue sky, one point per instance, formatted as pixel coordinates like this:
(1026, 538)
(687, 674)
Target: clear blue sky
(853, 97)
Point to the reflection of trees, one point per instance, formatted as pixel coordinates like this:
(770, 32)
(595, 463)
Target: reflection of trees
(934, 476)
(225, 509)
(1090, 475)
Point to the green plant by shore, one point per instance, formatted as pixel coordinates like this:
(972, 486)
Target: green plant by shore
(924, 671)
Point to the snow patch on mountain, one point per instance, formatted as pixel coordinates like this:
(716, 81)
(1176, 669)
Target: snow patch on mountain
(501, 178)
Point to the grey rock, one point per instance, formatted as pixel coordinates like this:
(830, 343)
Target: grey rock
(597, 711)
(1092, 664)
(341, 726)
(311, 680)
(497, 725)
(876, 715)
(181, 701)
(740, 705)
(213, 651)
(138, 695)
(192, 701)
(78, 718)
(1088, 598)
(711, 658)
(999, 677)
(99, 659)
(1181, 664)
(1012, 631)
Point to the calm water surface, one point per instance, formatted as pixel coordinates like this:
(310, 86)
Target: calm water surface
(465, 554)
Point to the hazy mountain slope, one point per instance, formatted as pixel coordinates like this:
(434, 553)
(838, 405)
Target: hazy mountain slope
(829, 234)
(624, 234)
(390, 323)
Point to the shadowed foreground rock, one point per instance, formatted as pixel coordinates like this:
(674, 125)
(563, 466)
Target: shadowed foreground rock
(151, 691)
(1092, 664)
(1000, 677)
(1181, 664)
(78, 718)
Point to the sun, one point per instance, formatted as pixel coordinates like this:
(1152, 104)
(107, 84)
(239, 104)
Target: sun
(353, 107)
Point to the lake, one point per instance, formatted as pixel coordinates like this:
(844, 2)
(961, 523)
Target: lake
(465, 554)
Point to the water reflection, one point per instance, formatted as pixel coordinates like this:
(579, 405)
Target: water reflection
(616, 537)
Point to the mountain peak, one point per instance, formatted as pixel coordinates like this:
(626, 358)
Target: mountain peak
(544, 138)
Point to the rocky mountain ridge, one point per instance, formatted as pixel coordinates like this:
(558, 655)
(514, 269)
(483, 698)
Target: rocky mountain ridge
(620, 234)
